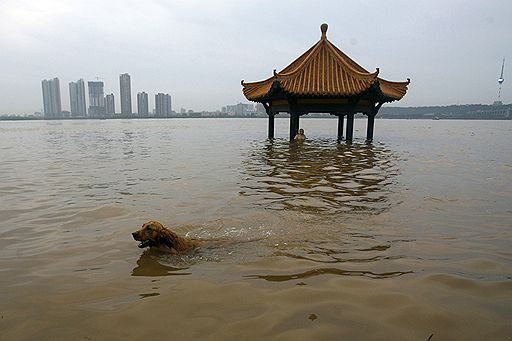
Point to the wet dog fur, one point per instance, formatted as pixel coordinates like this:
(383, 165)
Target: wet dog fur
(154, 234)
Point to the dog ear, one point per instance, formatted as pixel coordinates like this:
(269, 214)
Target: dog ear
(166, 240)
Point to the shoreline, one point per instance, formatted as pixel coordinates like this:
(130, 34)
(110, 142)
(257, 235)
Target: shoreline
(384, 117)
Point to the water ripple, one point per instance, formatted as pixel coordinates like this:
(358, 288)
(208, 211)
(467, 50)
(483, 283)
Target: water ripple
(328, 271)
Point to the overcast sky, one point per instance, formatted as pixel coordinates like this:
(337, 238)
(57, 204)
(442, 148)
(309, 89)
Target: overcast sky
(199, 51)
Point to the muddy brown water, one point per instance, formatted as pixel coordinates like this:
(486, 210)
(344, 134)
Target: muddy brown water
(408, 238)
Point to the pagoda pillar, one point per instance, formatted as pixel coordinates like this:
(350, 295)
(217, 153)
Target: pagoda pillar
(350, 127)
(370, 126)
(297, 125)
(294, 124)
(371, 122)
(271, 117)
(341, 117)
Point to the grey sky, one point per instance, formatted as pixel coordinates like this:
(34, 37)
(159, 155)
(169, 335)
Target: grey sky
(198, 51)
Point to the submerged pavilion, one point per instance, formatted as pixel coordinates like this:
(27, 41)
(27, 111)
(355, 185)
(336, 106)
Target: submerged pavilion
(324, 80)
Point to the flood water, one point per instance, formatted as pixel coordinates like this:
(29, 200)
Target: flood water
(408, 238)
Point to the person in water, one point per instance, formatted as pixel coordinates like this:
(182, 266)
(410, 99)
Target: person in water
(300, 135)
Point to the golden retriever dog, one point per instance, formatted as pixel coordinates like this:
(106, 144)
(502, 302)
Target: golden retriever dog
(155, 235)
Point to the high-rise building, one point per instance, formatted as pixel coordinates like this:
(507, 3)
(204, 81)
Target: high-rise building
(163, 107)
(126, 94)
(110, 105)
(96, 99)
(142, 104)
(260, 108)
(77, 98)
(51, 98)
(239, 109)
(73, 99)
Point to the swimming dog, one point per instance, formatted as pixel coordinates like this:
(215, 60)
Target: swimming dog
(155, 235)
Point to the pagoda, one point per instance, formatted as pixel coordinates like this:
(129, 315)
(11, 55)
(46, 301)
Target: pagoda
(324, 80)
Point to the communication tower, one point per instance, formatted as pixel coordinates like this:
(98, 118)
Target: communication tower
(500, 82)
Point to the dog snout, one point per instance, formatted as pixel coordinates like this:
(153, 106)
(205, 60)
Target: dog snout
(135, 235)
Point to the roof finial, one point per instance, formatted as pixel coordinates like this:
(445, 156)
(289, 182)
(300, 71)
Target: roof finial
(323, 28)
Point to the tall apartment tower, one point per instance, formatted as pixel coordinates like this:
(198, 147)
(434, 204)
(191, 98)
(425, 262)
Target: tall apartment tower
(163, 107)
(142, 104)
(126, 94)
(77, 98)
(110, 105)
(96, 99)
(51, 98)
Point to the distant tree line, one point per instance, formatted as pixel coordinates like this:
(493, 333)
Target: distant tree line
(467, 111)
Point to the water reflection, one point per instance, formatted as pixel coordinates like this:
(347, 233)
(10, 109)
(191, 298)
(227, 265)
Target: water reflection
(318, 176)
(150, 265)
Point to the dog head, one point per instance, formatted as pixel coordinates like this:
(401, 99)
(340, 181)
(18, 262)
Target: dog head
(152, 233)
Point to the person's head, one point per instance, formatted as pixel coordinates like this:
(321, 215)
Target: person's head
(301, 131)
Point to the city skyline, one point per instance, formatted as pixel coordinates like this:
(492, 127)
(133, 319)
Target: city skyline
(100, 104)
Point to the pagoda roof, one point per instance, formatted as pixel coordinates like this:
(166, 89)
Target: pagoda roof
(325, 71)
